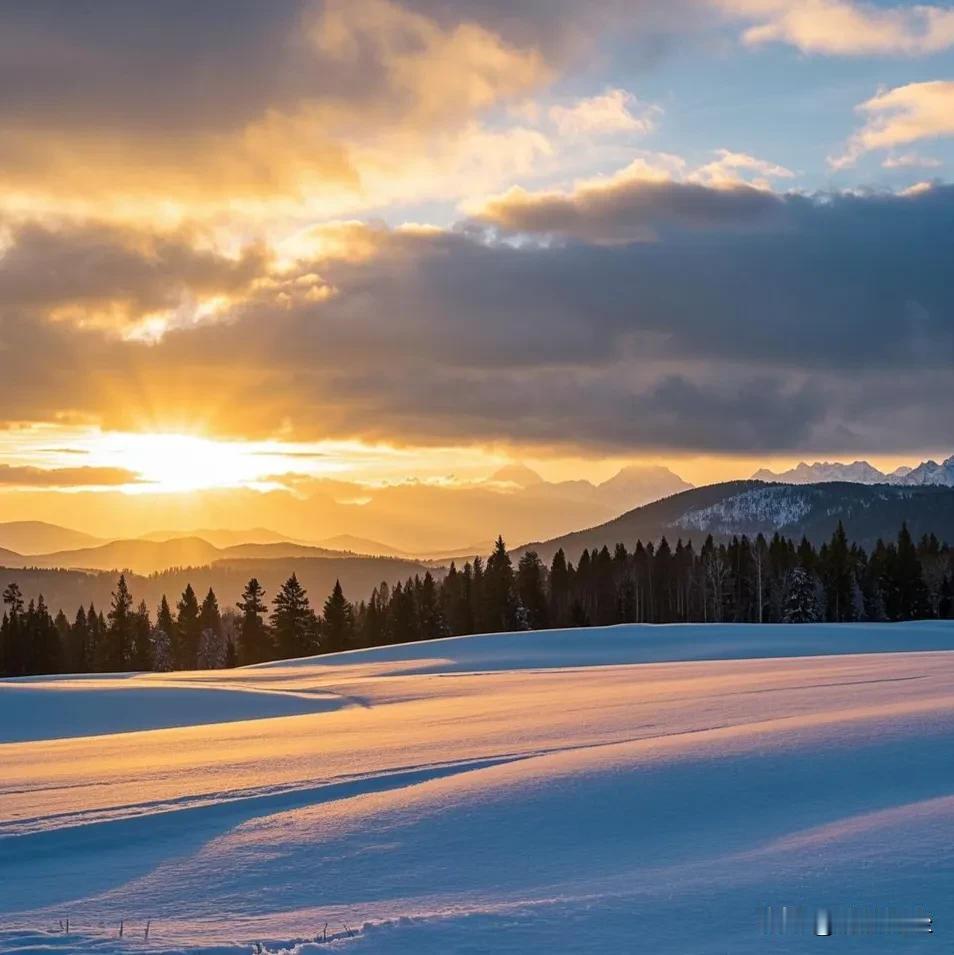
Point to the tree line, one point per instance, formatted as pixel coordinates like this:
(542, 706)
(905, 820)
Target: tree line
(745, 580)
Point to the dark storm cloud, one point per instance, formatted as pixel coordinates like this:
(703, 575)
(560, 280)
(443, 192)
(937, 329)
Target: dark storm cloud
(79, 266)
(116, 63)
(629, 209)
(827, 325)
(178, 62)
(145, 64)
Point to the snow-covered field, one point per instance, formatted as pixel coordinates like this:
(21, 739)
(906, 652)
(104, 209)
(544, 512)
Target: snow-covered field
(629, 789)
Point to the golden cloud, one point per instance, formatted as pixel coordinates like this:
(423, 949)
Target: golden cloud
(840, 27)
(368, 101)
(903, 115)
(615, 111)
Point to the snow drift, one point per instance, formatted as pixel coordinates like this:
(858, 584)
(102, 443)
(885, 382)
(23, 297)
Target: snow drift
(624, 789)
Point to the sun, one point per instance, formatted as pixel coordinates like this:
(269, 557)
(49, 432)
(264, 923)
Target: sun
(171, 463)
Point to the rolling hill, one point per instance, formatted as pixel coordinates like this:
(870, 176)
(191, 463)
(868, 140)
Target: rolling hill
(750, 507)
(152, 557)
(222, 537)
(39, 537)
(67, 589)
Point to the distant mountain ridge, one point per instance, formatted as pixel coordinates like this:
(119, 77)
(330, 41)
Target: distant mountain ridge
(67, 589)
(630, 486)
(39, 537)
(752, 507)
(862, 472)
(150, 557)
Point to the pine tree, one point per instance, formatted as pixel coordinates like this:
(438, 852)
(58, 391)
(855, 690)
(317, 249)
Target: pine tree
(254, 641)
(531, 590)
(162, 656)
(337, 626)
(838, 576)
(559, 596)
(44, 640)
(911, 595)
(211, 652)
(499, 590)
(800, 602)
(188, 630)
(164, 639)
(13, 598)
(95, 629)
(405, 627)
(76, 644)
(429, 612)
(142, 656)
(372, 630)
(116, 648)
(293, 621)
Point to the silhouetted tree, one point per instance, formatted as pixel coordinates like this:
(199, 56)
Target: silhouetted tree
(188, 630)
(115, 649)
(255, 644)
(293, 621)
(337, 625)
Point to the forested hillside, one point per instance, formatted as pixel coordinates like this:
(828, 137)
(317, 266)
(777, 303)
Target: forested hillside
(746, 580)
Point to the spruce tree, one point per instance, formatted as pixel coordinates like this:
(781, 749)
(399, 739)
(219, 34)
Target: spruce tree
(164, 641)
(212, 650)
(800, 602)
(429, 612)
(142, 655)
(499, 590)
(116, 647)
(293, 621)
(337, 625)
(76, 644)
(188, 630)
(44, 641)
(531, 590)
(559, 596)
(255, 643)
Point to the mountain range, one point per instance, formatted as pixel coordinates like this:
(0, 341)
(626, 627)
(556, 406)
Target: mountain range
(861, 472)
(751, 507)
(151, 557)
(71, 576)
(411, 517)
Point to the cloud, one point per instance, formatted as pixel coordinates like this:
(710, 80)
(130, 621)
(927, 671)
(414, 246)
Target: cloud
(287, 106)
(730, 167)
(114, 277)
(11, 475)
(911, 161)
(782, 322)
(615, 111)
(843, 28)
(635, 204)
(899, 116)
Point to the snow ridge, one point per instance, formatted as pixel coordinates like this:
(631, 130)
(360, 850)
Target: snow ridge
(778, 506)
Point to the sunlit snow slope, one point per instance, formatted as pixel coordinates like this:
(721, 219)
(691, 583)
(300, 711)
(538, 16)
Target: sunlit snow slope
(629, 789)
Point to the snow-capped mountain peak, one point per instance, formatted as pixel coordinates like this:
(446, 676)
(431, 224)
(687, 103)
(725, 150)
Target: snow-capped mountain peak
(861, 472)
(858, 472)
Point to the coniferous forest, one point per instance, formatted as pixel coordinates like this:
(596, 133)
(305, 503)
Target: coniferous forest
(742, 581)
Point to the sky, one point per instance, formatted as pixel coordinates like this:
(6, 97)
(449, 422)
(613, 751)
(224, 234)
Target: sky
(246, 245)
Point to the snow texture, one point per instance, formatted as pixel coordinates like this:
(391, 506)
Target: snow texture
(778, 506)
(623, 789)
